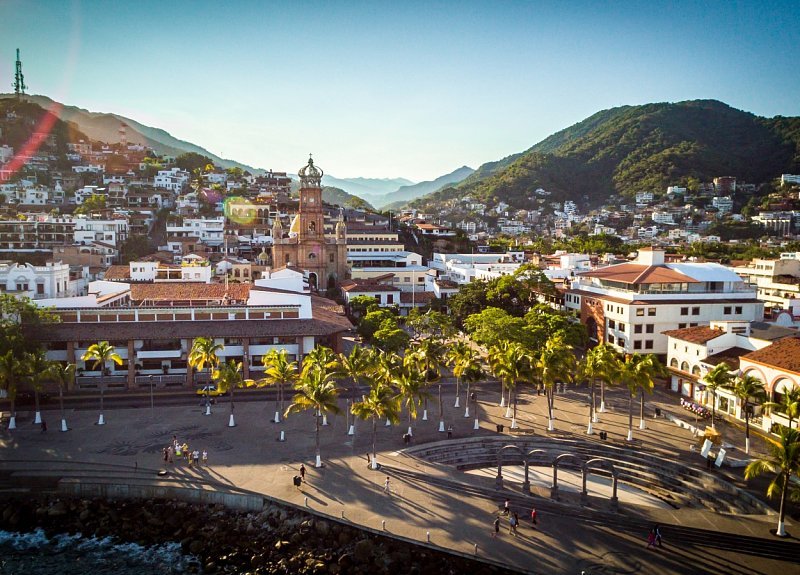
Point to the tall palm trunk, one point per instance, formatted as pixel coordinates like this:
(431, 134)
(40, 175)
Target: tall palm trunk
(458, 390)
(630, 416)
(102, 393)
(746, 428)
(641, 409)
(441, 409)
(374, 435)
(714, 409)
(36, 400)
(318, 463)
(61, 405)
(602, 395)
(782, 512)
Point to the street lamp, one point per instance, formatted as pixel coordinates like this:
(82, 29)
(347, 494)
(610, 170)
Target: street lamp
(152, 407)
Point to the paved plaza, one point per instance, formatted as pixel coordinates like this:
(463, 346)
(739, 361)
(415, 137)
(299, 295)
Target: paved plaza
(454, 508)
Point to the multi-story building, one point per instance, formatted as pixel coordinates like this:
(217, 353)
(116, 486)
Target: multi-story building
(782, 223)
(777, 281)
(90, 230)
(35, 235)
(631, 305)
(173, 179)
(52, 280)
(787, 179)
(723, 203)
(208, 231)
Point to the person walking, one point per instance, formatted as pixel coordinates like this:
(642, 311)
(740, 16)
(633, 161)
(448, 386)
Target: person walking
(196, 458)
(205, 458)
(512, 524)
(506, 507)
(533, 517)
(185, 450)
(651, 539)
(657, 531)
(169, 454)
(386, 486)
(302, 473)
(496, 527)
(450, 432)
(165, 455)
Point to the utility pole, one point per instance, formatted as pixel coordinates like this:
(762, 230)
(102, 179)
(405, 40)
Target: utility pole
(19, 79)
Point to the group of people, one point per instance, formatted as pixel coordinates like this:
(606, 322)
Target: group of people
(654, 537)
(513, 519)
(180, 451)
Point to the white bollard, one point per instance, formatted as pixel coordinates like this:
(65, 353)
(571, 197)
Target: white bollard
(231, 422)
(642, 424)
(352, 430)
(208, 409)
(409, 431)
(318, 462)
(441, 426)
(101, 421)
(12, 422)
(477, 425)
(388, 423)
(466, 412)
(324, 419)
(457, 404)
(64, 425)
(383, 525)
(38, 419)
(277, 417)
(428, 535)
(424, 415)
(283, 437)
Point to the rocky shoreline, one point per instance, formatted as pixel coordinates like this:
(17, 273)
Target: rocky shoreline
(276, 540)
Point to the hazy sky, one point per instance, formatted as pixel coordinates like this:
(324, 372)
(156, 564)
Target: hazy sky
(401, 88)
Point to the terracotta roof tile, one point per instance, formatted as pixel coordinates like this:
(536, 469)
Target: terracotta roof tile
(639, 274)
(783, 354)
(418, 298)
(696, 334)
(117, 273)
(183, 291)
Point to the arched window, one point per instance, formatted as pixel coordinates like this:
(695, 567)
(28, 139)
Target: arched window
(312, 227)
(674, 362)
(696, 370)
(685, 366)
(312, 256)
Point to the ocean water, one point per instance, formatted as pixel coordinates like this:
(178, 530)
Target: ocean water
(36, 554)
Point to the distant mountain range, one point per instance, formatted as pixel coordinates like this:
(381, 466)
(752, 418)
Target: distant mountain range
(364, 187)
(633, 148)
(105, 128)
(405, 194)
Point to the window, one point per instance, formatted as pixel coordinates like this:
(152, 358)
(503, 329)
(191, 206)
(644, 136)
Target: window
(407, 280)
(738, 310)
(619, 309)
(330, 257)
(693, 325)
(651, 311)
(681, 325)
(727, 310)
(649, 328)
(620, 342)
(312, 256)
(695, 311)
(684, 311)
(639, 312)
(637, 329)
(389, 298)
(648, 344)
(621, 327)
(612, 324)
(610, 338)
(637, 344)
(673, 362)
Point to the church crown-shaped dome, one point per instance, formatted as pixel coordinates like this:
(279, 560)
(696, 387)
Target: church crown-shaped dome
(310, 175)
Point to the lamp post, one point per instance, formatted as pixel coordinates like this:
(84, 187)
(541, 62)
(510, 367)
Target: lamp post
(152, 406)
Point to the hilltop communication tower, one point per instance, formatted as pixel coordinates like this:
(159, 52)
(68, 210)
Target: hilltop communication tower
(19, 79)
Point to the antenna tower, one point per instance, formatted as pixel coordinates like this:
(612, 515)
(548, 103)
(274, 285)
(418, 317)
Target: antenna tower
(19, 79)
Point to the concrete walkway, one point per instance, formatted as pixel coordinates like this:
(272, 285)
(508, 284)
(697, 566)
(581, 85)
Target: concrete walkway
(453, 508)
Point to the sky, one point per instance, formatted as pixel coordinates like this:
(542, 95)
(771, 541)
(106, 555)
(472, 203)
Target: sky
(395, 89)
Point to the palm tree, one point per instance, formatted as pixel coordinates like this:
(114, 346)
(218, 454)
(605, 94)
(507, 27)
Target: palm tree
(429, 354)
(410, 381)
(455, 356)
(228, 377)
(100, 354)
(354, 367)
(494, 356)
(634, 377)
(316, 389)
(37, 367)
(784, 462)
(789, 404)
(718, 377)
(381, 402)
(747, 387)
(64, 376)
(468, 367)
(516, 366)
(555, 363)
(595, 366)
(279, 371)
(205, 353)
(650, 368)
(11, 370)
(321, 359)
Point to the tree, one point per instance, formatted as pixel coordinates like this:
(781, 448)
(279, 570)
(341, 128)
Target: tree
(381, 402)
(747, 387)
(315, 390)
(228, 376)
(205, 353)
(495, 356)
(457, 357)
(715, 379)
(598, 365)
(280, 372)
(636, 373)
(375, 320)
(64, 376)
(494, 324)
(191, 161)
(516, 366)
(784, 462)
(92, 204)
(430, 324)
(100, 354)
(19, 317)
(430, 356)
(789, 404)
(409, 380)
(36, 366)
(555, 363)
(361, 304)
(390, 337)
(134, 248)
(354, 367)
(650, 368)
(11, 371)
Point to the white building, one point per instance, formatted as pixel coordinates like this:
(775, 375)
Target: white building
(112, 232)
(51, 280)
(663, 218)
(786, 179)
(643, 198)
(173, 179)
(723, 203)
(209, 231)
(777, 281)
(630, 305)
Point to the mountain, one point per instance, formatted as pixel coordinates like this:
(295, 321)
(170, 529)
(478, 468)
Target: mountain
(364, 187)
(633, 148)
(404, 194)
(339, 197)
(105, 128)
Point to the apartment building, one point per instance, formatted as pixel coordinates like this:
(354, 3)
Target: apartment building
(40, 234)
(631, 305)
(208, 231)
(777, 281)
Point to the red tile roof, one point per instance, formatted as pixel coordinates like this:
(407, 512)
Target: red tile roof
(185, 291)
(783, 354)
(117, 273)
(696, 334)
(639, 274)
(418, 298)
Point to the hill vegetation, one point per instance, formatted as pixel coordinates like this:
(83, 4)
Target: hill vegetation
(634, 148)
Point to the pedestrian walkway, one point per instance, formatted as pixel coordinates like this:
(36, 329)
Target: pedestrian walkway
(427, 502)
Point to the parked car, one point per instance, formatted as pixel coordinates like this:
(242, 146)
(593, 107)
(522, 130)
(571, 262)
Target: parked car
(209, 390)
